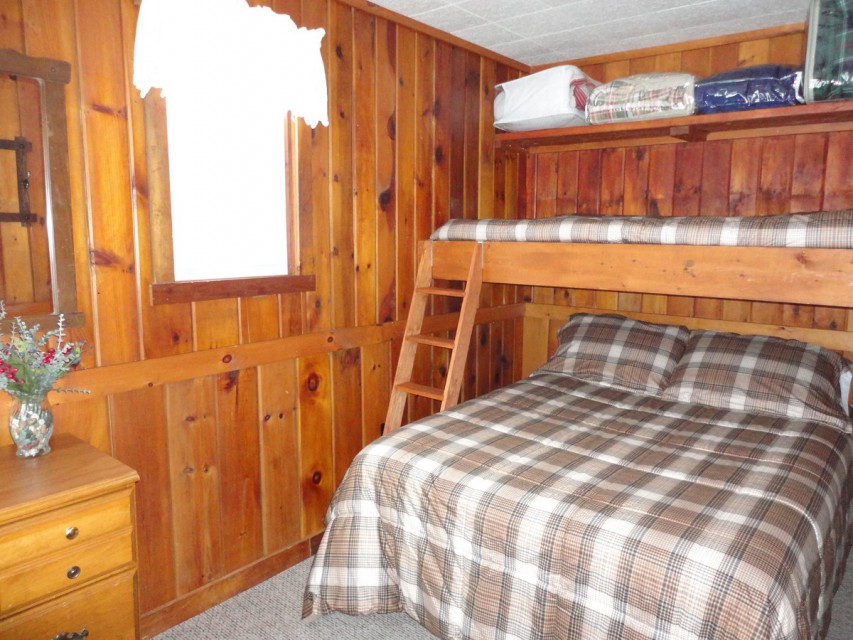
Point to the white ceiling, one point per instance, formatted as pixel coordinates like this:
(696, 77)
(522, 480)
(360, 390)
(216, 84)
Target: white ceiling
(542, 31)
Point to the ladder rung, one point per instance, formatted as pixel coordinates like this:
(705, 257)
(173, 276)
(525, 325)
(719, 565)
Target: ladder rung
(441, 291)
(421, 390)
(435, 341)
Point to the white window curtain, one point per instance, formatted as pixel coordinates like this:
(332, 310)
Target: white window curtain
(230, 74)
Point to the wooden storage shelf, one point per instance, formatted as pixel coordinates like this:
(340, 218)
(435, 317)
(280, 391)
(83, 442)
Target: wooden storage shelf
(781, 120)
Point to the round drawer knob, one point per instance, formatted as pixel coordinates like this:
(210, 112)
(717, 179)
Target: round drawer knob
(72, 532)
(73, 572)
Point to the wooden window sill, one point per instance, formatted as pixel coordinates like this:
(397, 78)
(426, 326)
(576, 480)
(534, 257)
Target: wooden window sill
(197, 290)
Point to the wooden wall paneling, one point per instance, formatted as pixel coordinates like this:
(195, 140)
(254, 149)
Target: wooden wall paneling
(774, 196)
(490, 293)
(425, 143)
(809, 168)
(697, 62)
(787, 49)
(386, 129)
(424, 211)
(316, 441)
(471, 149)
(687, 191)
(611, 190)
(716, 169)
(375, 388)
(753, 52)
(364, 169)
(662, 160)
(87, 418)
(195, 482)
(139, 430)
(445, 173)
(14, 240)
(238, 437)
(347, 402)
(838, 182)
(104, 112)
(456, 150)
(544, 203)
(407, 122)
(280, 459)
(292, 8)
(614, 70)
(743, 187)
(341, 123)
(314, 219)
(216, 323)
(486, 152)
(715, 187)
(723, 58)
(774, 184)
(261, 317)
(589, 178)
(644, 64)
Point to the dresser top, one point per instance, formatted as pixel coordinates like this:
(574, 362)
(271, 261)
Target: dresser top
(72, 471)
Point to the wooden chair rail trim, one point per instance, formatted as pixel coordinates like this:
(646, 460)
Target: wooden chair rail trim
(198, 290)
(112, 379)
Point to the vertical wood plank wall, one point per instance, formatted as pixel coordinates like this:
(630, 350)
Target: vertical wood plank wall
(241, 415)
(761, 175)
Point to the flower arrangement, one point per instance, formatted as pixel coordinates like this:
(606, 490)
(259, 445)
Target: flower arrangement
(30, 363)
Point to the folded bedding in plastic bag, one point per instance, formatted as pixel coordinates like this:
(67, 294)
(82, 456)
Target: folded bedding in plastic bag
(756, 87)
(551, 98)
(642, 97)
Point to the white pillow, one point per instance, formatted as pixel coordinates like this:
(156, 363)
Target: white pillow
(844, 382)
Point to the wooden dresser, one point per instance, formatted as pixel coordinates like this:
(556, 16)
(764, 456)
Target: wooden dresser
(67, 545)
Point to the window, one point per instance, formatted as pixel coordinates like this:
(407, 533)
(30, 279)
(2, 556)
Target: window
(229, 90)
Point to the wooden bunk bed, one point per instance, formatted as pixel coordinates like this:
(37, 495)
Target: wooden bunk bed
(557, 507)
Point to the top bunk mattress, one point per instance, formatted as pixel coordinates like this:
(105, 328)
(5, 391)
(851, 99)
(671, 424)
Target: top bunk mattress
(825, 230)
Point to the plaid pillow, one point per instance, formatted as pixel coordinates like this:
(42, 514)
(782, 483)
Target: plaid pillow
(760, 373)
(618, 352)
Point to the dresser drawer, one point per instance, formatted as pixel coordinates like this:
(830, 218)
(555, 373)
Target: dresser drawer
(63, 529)
(105, 609)
(42, 577)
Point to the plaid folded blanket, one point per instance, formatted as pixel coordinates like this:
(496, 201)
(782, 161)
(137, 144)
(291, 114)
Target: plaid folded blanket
(829, 230)
(642, 97)
(555, 508)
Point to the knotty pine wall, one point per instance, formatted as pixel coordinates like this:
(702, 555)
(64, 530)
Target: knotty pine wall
(761, 175)
(241, 415)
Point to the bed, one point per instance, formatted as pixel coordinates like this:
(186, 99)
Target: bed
(648, 481)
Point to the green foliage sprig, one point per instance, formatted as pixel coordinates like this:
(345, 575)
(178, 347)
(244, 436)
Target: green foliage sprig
(30, 363)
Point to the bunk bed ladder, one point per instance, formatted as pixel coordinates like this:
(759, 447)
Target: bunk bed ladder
(412, 338)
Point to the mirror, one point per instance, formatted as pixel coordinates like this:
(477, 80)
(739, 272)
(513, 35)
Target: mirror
(37, 272)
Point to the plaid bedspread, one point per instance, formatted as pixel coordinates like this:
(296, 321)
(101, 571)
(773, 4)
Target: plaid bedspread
(829, 230)
(554, 508)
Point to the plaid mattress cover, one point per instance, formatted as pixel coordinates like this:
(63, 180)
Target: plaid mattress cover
(829, 230)
(555, 508)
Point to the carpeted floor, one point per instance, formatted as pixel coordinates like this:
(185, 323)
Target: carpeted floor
(271, 611)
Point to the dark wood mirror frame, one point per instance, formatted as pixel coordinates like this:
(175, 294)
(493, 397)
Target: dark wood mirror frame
(52, 76)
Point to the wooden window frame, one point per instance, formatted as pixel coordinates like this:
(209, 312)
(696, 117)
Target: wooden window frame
(164, 288)
(52, 76)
